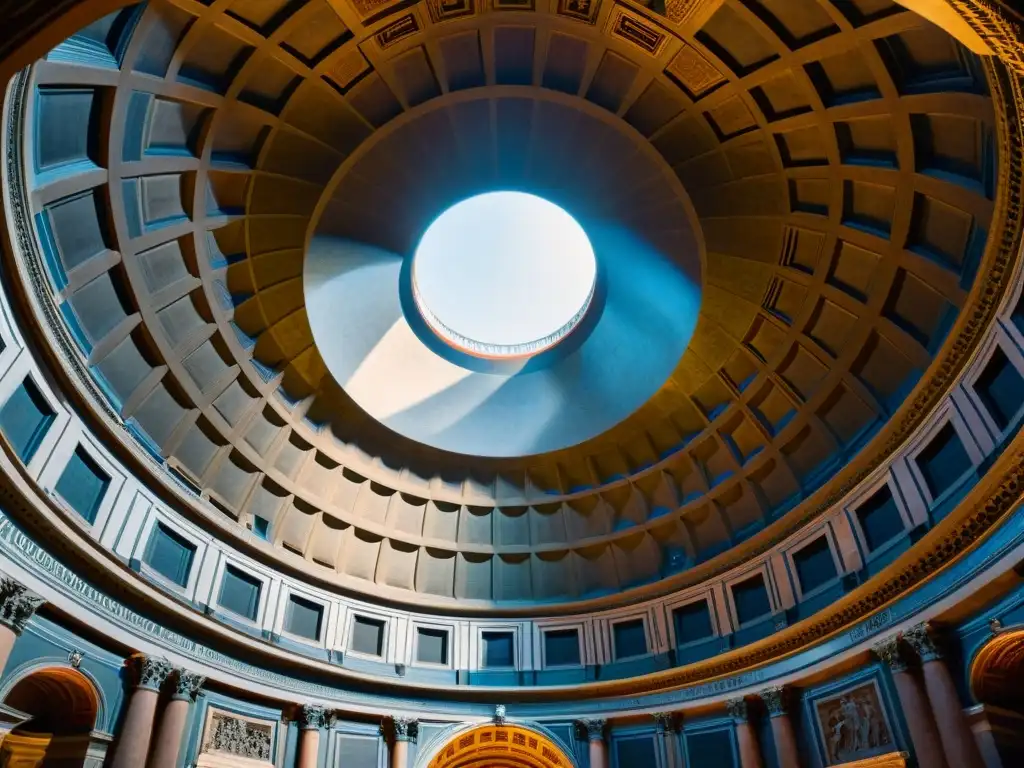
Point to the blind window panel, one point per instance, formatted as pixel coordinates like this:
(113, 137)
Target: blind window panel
(880, 519)
(562, 647)
(815, 565)
(432, 646)
(751, 598)
(82, 485)
(693, 622)
(240, 593)
(304, 617)
(170, 554)
(943, 461)
(498, 649)
(368, 636)
(25, 419)
(630, 639)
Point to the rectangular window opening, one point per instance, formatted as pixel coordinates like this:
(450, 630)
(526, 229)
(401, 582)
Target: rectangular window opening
(879, 519)
(170, 554)
(630, 639)
(751, 599)
(83, 485)
(304, 618)
(25, 419)
(498, 649)
(431, 646)
(943, 461)
(693, 622)
(814, 565)
(368, 636)
(240, 593)
(562, 647)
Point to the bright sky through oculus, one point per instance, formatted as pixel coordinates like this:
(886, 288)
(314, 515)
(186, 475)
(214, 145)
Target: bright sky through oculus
(504, 274)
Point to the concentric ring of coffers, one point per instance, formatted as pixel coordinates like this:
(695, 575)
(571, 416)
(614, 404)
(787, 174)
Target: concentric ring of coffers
(816, 323)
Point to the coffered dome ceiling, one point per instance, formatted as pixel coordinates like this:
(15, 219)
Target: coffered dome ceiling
(822, 171)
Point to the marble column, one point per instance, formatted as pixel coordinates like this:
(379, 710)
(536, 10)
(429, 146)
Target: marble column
(746, 739)
(17, 605)
(594, 731)
(956, 736)
(137, 729)
(311, 719)
(775, 699)
(172, 724)
(406, 730)
(916, 710)
(666, 726)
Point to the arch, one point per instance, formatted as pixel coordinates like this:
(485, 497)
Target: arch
(998, 668)
(490, 745)
(22, 671)
(63, 705)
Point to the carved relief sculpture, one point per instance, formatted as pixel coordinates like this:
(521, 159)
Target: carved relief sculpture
(238, 736)
(17, 605)
(854, 725)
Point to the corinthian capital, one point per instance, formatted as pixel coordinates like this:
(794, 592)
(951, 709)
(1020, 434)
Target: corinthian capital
(922, 639)
(187, 685)
(151, 671)
(313, 717)
(890, 652)
(592, 730)
(737, 709)
(17, 604)
(406, 728)
(774, 699)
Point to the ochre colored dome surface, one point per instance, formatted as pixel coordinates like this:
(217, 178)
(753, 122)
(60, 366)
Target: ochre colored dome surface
(825, 173)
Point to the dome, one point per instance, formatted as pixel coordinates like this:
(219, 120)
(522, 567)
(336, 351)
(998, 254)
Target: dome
(370, 339)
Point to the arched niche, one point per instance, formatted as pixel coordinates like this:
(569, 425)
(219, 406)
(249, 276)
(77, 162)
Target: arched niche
(490, 745)
(61, 705)
(997, 670)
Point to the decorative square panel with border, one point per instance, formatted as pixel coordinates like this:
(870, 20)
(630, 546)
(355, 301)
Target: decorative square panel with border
(446, 10)
(694, 73)
(348, 69)
(371, 10)
(230, 738)
(513, 5)
(581, 10)
(397, 30)
(854, 724)
(637, 30)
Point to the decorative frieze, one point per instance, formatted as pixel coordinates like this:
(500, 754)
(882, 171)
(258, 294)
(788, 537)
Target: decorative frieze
(17, 604)
(236, 735)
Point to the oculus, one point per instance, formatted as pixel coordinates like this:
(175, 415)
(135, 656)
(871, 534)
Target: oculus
(504, 275)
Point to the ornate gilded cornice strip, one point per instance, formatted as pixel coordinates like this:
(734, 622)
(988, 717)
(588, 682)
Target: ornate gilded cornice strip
(994, 25)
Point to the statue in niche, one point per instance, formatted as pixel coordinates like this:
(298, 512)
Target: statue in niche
(854, 725)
